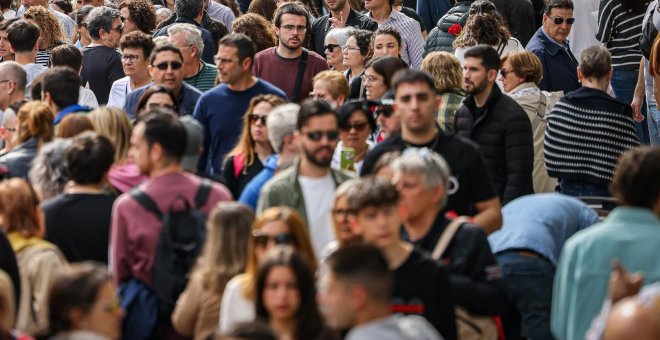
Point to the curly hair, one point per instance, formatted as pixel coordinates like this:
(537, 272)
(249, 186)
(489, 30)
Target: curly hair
(485, 25)
(232, 5)
(51, 31)
(363, 40)
(446, 70)
(142, 14)
(265, 8)
(257, 28)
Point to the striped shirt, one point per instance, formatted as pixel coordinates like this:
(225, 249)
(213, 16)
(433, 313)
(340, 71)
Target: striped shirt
(620, 30)
(413, 44)
(204, 80)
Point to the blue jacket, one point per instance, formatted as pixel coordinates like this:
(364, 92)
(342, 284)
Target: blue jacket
(250, 195)
(141, 308)
(559, 64)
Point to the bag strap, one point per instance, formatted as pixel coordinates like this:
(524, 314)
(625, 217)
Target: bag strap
(501, 47)
(202, 193)
(540, 111)
(299, 77)
(447, 236)
(146, 202)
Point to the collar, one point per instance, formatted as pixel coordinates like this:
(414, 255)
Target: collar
(527, 88)
(19, 242)
(69, 109)
(588, 92)
(186, 21)
(394, 15)
(551, 44)
(494, 95)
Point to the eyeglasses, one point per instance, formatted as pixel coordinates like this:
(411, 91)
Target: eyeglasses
(219, 60)
(504, 72)
(342, 212)
(119, 29)
(350, 48)
(560, 20)
(330, 47)
(130, 57)
(263, 240)
(10, 129)
(369, 79)
(318, 135)
(175, 65)
(359, 127)
(290, 28)
(254, 118)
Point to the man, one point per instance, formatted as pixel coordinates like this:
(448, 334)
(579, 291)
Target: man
(330, 86)
(135, 50)
(165, 68)
(550, 45)
(629, 234)
(527, 249)
(220, 12)
(309, 185)
(60, 88)
(376, 218)
(5, 47)
(356, 295)
(23, 37)
(190, 12)
(341, 15)
(158, 143)
(215, 27)
(197, 73)
(288, 65)
(222, 109)
(101, 61)
(383, 12)
(281, 124)
(67, 23)
(12, 84)
(497, 124)
(417, 103)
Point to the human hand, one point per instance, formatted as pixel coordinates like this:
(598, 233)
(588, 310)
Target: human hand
(622, 284)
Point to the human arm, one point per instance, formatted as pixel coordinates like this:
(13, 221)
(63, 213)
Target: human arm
(518, 155)
(186, 310)
(638, 96)
(489, 215)
(605, 21)
(119, 244)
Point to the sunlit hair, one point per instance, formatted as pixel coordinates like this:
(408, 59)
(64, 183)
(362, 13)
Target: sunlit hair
(525, 65)
(257, 28)
(18, 208)
(7, 302)
(51, 32)
(74, 124)
(49, 172)
(446, 70)
(114, 124)
(35, 120)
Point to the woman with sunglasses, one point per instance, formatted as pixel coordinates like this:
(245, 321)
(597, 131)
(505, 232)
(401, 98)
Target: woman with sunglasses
(356, 123)
(286, 297)
(247, 158)
(333, 47)
(275, 226)
(378, 74)
(356, 54)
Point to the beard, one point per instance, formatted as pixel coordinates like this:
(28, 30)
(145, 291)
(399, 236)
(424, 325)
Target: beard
(320, 162)
(476, 87)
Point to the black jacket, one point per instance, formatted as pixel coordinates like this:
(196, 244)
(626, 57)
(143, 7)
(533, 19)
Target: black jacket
(518, 14)
(321, 27)
(217, 29)
(440, 39)
(504, 134)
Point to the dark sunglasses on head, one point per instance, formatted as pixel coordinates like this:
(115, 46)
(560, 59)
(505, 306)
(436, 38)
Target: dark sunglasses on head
(254, 118)
(318, 135)
(560, 20)
(164, 65)
(357, 126)
(263, 239)
(330, 47)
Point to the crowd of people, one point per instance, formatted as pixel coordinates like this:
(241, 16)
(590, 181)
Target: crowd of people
(329, 169)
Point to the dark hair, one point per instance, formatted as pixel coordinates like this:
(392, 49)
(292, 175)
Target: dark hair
(163, 48)
(372, 192)
(291, 8)
(64, 5)
(23, 36)
(74, 124)
(309, 322)
(82, 13)
(411, 76)
(35, 89)
(565, 4)
(4, 25)
(259, 30)
(144, 98)
(314, 108)
(142, 14)
(265, 8)
(243, 44)
(164, 128)
(254, 330)
(233, 5)
(371, 271)
(90, 157)
(351, 107)
(634, 6)
(386, 67)
(363, 40)
(387, 30)
(485, 25)
(63, 84)
(189, 9)
(14, 71)
(4, 4)
(636, 182)
(66, 55)
(101, 18)
(490, 59)
(137, 39)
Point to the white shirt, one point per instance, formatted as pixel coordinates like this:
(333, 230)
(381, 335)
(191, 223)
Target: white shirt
(88, 98)
(319, 194)
(235, 308)
(583, 31)
(32, 70)
(118, 92)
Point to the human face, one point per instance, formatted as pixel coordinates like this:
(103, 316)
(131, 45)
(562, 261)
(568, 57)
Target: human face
(321, 91)
(418, 105)
(7, 133)
(159, 99)
(291, 32)
(386, 45)
(340, 217)
(133, 61)
(475, 77)
(129, 25)
(140, 151)
(270, 229)
(258, 130)
(374, 84)
(389, 125)
(190, 53)
(335, 5)
(375, 4)
(4, 45)
(379, 226)
(112, 37)
(168, 77)
(336, 302)
(558, 32)
(351, 53)
(106, 315)
(319, 152)
(356, 131)
(281, 296)
(509, 78)
(334, 54)
(415, 198)
(84, 32)
(230, 68)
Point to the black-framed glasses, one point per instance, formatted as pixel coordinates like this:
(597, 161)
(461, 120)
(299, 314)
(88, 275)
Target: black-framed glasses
(299, 28)
(263, 240)
(254, 118)
(330, 47)
(560, 20)
(175, 65)
(130, 57)
(359, 127)
(318, 135)
(505, 72)
(119, 29)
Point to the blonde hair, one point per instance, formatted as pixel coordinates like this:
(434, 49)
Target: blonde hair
(7, 301)
(339, 83)
(114, 124)
(35, 120)
(51, 31)
(525, 65)
(446, 70)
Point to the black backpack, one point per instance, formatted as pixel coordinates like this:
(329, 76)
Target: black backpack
(179, 245)
(649, 32)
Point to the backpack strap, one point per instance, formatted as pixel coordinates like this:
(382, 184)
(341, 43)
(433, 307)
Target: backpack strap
(146, 202)
(540, 111)
(295, 97)
(447, 236)
(202, 193)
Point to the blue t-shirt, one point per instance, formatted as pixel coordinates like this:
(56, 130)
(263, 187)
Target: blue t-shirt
(221, 111)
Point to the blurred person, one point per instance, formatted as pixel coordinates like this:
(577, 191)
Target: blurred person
(162, 14)
(196, 73)
(60, 88)
(383, 168)
(8, 308)
(340, 15)
(7, 11)
(51, 34)
(384, 14)
(49, 172)
(341, 220)
(74, 124)
(378, 74)
(447, 75)
(8, 130)
(62, 6)
(65, 25)
(82, 37)
(265, 8)
(356, 124)
(154, 97)
(255, 330)
(69, 55)
(12, 86)
(138, 15)
(330, 86)
(630, 319)
(233, 5)
(333, 48)
(5, 47)
(135, 50)
(356, 54)
(445, 30)
(24, 36)
(387, 117)
(258, 29)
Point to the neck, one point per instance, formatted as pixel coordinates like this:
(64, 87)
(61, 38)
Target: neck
(285, 329)
(421, 138)
(355, 71)
(244, 83)
(85, 41)
(8, 57)
(340, 67)
(598, 84)
(263, 150)
(139, 79)
(74, 188)
(372, 313)
(286, 159)
(25, 58)
(397, 253)
(361, 151)
(381, 14)
(99, 42)
(481, 97)
(192, 68)
(288, 53)
(419, 226)
(311, 170)
(342, 12)
(166, 170)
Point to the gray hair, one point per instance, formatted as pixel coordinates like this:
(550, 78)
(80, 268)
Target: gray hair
(595, 62)
(192, 34)
(433, 168)
(14, 71)
(281, 122)
(101, 18)
(49, 171)
(163, 12)
(8, 117)
(160, 40)
(340, 34)
(188, 9)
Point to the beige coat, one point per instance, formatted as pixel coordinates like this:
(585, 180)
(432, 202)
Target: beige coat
(197, 310)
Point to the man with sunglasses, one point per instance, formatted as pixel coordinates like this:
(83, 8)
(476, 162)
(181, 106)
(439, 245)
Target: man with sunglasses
(309, 185)
(549, 43)
(341, 15)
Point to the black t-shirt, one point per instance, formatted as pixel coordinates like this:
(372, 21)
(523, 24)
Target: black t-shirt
(237, 184)
(101, 67)
(79, 224)
(466, 163)
(422, 287)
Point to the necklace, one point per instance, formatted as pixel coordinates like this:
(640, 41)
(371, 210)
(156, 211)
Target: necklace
(199, 73)
(433, 145)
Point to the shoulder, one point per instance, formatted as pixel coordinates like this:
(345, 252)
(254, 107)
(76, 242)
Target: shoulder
(280, 181)
(267, 53)
(313, 56)
(267, 87)
(320, 21)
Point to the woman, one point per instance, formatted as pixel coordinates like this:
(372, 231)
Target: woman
(448, 78)
(83, 305)
(521, 72)
(157, 96)
(334, 45)
(619, 28)
(138, 15)
(248, 156)
(341, 212)
(356, 53)
(49, 173)
(378, 75)
(265, 8)
(50, 30)
(386, 41)
(38, 260)
(35, 128)
(275, 226)
(5, 47)
(81, 36)
(330, 86)
(257, 28)
(356, 123)
(286, 297)
(223, 257)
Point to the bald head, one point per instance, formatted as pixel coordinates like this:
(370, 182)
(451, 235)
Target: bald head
(14, 72)
(631, 320)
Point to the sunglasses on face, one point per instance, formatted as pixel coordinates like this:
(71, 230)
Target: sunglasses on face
(263, 240)
(380, 109)
(560, 20)
(359, 127)
(175, 65)
(254, 118)
(318, 135)
(330, 47)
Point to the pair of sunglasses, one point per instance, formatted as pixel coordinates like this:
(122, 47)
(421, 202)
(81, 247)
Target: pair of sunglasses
(263, 240)
(318, 135)
(254, 118)
(357, 126)
(175, 65)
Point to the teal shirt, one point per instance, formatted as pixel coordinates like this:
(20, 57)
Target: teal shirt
(205, 79)
(631, 235)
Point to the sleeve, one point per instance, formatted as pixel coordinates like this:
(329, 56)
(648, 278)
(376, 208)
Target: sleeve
(415, 47)
(50, 263)
(186, 310)
(562, 294)
(519, 155)
(227, 304)
(200, 114)
(545, 81)
(588, 217)
(443, 305)
(605, 21)
(119, 245)
(425, 12)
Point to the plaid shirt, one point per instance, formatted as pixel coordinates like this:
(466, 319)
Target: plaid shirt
(450, 103)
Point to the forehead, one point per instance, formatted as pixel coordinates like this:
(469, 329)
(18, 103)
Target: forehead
(405, 89)
(561, 12)
(163, 56)
(385, 39)
(330, 40)
(133, 50)
(293, 19)
(322, 122)
(472, 63)
(227, 51)
(177, 38)
(371, 72)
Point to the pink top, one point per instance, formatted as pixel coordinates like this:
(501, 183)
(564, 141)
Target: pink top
(126, 176)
